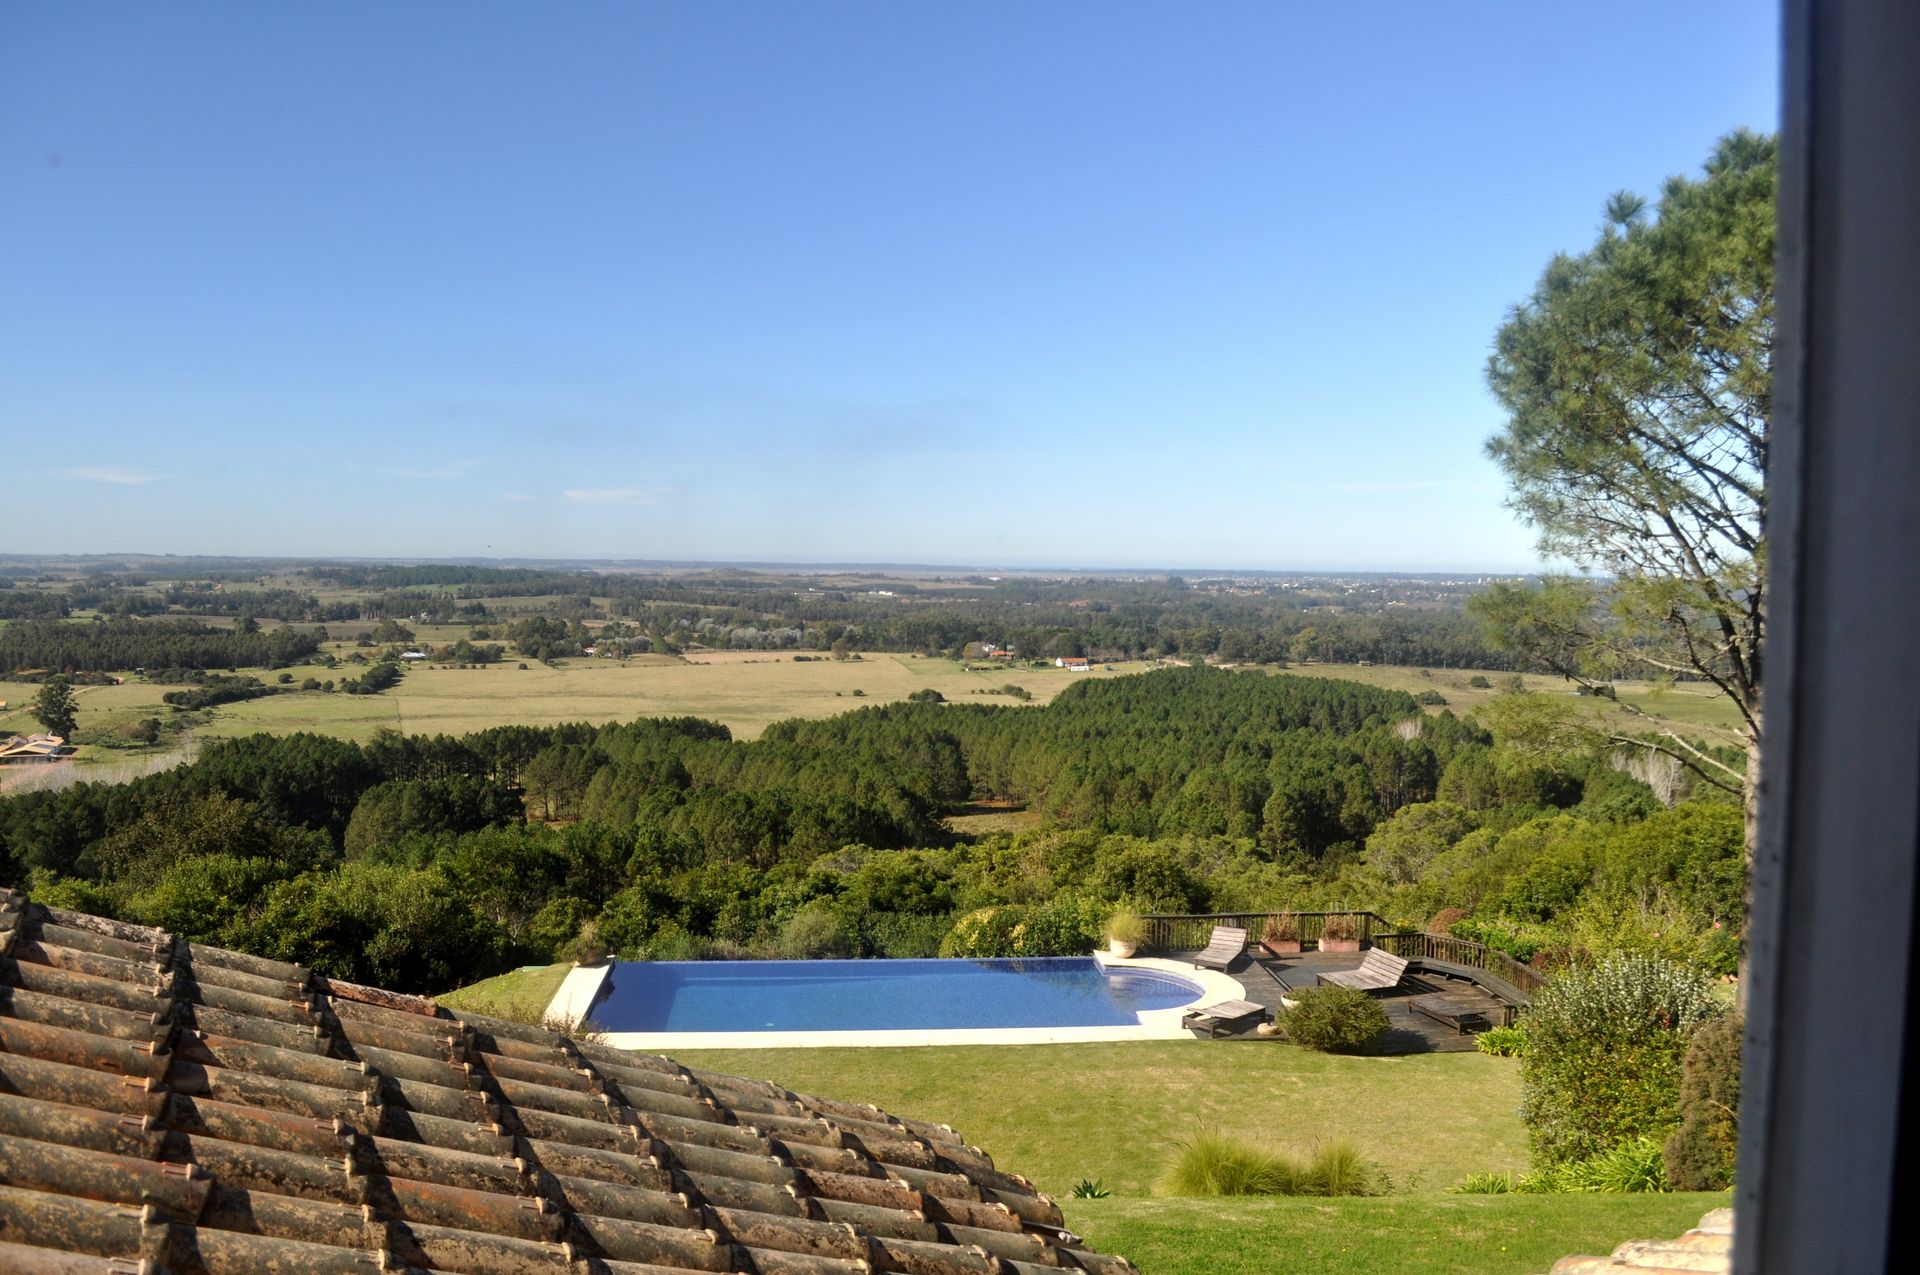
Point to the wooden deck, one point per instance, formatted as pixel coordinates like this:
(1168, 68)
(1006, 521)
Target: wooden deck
(1409, 1032)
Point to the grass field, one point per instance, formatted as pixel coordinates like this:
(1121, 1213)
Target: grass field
(746, 690)
(520, 995)
(1695, 709)
(1115, 1112)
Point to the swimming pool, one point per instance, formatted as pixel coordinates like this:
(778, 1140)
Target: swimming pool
(887, 996)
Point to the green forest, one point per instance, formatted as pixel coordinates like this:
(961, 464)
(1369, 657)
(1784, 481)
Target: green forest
(422, 863)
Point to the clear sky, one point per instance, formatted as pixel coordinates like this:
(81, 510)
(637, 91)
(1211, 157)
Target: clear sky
(978, 283)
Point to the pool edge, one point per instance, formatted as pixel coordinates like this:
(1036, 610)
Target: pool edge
(1154, 1024)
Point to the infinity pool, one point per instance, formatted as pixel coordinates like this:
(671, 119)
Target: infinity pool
(798, 996)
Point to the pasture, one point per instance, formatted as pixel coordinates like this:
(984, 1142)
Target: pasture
(744, 689)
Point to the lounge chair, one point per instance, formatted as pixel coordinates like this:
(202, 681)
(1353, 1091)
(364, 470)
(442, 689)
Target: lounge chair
(1223, 949)
(1378, 972)
(1228, 1016)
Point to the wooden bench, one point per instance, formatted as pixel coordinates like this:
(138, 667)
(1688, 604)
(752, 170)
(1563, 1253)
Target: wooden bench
(1223, 949)
(1226, 1016)
(1462, 1020)
(1378, 972)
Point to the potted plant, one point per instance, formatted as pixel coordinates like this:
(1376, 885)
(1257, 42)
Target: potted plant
(1281, 937)
(1125, 932)
(1340, 933)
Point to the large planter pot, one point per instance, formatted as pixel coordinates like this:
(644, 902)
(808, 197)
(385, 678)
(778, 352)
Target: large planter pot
(1121, 951)
(1339, 945)
(1280, 947)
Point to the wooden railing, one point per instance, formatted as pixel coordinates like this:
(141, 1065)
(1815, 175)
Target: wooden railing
(1189, 931)
(1417, 945)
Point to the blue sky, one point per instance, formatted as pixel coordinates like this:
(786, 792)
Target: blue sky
(994, 284)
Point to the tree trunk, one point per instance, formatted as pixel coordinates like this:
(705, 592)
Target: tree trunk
(1750, 816)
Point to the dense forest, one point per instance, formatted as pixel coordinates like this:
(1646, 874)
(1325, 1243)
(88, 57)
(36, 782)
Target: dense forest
(424, 862)
(122, 644)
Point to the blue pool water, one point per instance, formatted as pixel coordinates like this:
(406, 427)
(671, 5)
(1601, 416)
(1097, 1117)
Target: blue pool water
(718, 996)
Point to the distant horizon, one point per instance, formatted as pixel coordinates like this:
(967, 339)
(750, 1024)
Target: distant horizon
(800, 566)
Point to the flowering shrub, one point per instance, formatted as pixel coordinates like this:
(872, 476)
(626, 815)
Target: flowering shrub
(1604, 1045)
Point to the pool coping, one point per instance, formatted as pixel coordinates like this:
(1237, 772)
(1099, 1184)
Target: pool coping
(582, 986)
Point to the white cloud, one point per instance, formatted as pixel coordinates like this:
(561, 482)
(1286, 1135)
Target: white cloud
(116, 474)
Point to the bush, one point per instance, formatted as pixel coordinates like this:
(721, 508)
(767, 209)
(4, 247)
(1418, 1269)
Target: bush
(1634, 1165)
(1341, 925)
(1485, 1184)
(1430, 697)
(1604, 1045)
(1125, 926)
(1502, 1042)
(1479, 682)
(984, 932)
(1700, 1152)
(816, 932)
(1340, 1020)
(1214, 1164)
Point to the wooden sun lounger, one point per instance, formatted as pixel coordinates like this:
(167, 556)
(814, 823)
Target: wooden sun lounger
(1379, 971)
(1223, 949)
(1226, 1016)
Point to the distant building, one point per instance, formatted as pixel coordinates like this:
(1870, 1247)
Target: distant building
(1075, 663)
(413, 655)
(22, 749)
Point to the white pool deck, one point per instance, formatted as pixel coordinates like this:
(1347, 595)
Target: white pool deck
(582, 985)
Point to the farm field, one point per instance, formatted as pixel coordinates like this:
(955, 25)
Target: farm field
(1063, 1113)
(746, 690)
(1698, 709)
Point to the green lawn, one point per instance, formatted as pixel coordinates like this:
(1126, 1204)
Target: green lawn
(1398, 1235)
(520, 995)
(1061, 1113)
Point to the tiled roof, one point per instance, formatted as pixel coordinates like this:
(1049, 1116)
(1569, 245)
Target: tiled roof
(171, 1107)
(1705, 1250)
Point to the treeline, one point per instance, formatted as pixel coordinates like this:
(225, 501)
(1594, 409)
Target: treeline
(107, 645)
(422, 863)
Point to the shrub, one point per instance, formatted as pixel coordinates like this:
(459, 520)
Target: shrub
(1443, 921)
(1634, 1165)
(1341, 925)
(1604, 1045)
(1699, 1153)
(1479, 682)
(1282, 927)
(1485, 1184)
(1065, 925)
(1336, 1168)
(816, 932)
(1430, 697)
(1214, 1164)
(1090, 1189)
(1126, 926)
(1502, 1042)
(984, 931)
(1341, 1020)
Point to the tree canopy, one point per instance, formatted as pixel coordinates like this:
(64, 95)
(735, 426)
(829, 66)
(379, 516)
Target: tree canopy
(1637, 384)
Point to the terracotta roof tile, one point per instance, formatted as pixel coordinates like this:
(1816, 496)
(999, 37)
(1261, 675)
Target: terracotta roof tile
(1708, 1247)
(166, 1106)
